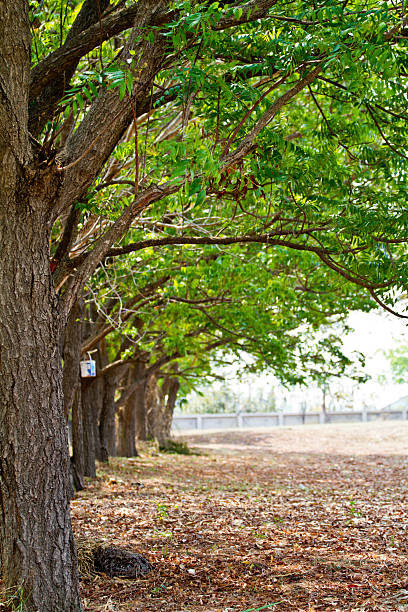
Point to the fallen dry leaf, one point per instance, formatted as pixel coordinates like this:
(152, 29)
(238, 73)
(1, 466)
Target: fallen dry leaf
(294, 519)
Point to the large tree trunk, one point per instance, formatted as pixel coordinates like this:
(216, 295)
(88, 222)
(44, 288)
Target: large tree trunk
(107, 423)
(160, 404)
(141, 411)
(37, 548)
(72, 357)
(72, 391)
(90, 425)
(129, 407)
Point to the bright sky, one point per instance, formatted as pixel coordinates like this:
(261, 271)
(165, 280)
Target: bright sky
(373, 333)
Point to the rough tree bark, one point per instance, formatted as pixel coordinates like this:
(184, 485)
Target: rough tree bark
(35, 527)
(107, 423)
(160, 404)
(72, 357)
(72, 390)
(131, 411)
(37, 549)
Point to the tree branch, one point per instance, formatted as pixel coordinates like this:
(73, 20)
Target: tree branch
(110, 115)
(48, 84)
(255, 9)
(269, 114)
(66, 57)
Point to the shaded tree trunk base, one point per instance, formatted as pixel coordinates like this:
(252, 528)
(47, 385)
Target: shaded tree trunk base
(76, 478)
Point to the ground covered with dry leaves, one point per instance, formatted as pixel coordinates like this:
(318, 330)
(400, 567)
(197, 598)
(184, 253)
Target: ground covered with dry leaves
(302, 518)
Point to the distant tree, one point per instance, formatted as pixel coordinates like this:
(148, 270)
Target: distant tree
(398, 360)
(225, 399)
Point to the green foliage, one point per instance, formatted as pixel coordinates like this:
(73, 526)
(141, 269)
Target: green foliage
(398, 360)
(324, 180)
(13, 600)
(216, 400)
(162, 511)
(213, 306)
(176, 447)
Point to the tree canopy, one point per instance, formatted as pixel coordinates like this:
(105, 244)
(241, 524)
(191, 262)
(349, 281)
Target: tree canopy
(130, 127)
(250, 122)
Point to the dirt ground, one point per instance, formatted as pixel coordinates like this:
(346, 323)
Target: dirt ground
(305, 518)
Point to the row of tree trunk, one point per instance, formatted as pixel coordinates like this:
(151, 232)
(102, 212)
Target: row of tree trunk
(127, 400)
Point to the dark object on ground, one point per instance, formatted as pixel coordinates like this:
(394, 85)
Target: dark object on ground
(118, 562)
(96, 557)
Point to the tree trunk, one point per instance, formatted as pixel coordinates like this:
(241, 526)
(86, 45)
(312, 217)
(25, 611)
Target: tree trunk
(154, 401)
(127, 415)
(72, 391)
(78, 441)
(160, 407)
(37, 548)
(72, 357)
(107, 423)
(141, 412)
(90, 425)
(99, 392)
(92, 391)
(174, 386)
(127, 427)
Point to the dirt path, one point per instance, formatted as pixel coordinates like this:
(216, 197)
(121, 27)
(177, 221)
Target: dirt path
(303, 518)
(384, 437)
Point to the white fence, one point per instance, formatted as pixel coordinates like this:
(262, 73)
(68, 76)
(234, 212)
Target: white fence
(198, 422)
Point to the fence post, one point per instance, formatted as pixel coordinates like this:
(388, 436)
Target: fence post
(364, 414)
(239, 420)
(199, 421)
(281, 418)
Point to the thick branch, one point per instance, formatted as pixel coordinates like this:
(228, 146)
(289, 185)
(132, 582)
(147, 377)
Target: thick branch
(109, 116)
(255, 9)
(219, 240)
(92, 342)
(66, 57)
(67, 239)
(247, 143)
(14, 79)
(49, 84)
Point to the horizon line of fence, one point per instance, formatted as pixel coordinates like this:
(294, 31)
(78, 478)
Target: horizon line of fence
(248, 420)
